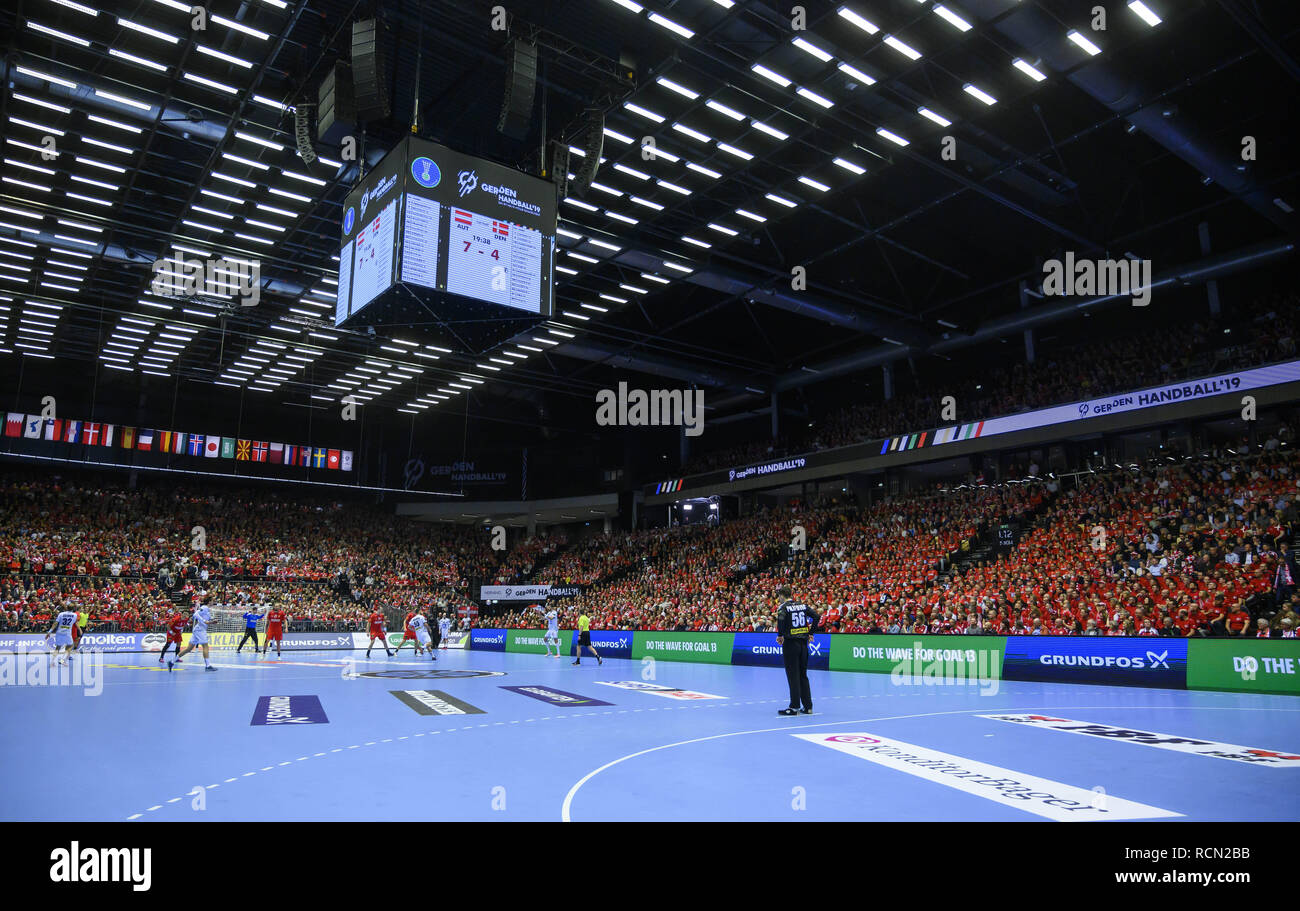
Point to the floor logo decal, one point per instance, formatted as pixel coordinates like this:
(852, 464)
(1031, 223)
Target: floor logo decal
(1040, 796)
(654, 689)
(431, 674)
(289, 710)
(1269, 758)
(554, 697)
(436, 702)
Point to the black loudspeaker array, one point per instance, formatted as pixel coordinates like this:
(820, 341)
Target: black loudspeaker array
(560, 167)
(302, 132)
(521, 89)
(369, 72)
(593, 144)
(336, 113)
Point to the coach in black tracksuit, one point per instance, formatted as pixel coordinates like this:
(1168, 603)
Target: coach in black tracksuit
(795, 622)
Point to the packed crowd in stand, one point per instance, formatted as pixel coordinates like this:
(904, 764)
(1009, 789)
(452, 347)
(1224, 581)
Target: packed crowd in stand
(1199, 546)
(1260, 333)
(121, 554)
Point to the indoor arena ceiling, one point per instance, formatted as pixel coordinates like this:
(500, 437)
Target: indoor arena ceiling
(129, 135)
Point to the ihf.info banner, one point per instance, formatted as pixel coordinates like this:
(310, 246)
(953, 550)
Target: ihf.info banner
(1243, 665)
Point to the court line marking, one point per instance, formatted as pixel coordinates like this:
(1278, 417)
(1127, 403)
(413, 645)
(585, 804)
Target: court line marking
(135, 816)
(568, 798)
(715, 705)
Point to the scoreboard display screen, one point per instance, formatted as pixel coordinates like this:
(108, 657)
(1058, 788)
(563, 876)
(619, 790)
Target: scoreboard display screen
(433, 218)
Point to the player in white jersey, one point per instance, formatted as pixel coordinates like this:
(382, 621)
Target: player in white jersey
(552, 630)
(444, 630)
(198, 636)
(61, 630)
(421, 627)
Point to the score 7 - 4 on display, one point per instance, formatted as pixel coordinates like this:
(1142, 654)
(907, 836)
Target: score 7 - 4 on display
(480, 243)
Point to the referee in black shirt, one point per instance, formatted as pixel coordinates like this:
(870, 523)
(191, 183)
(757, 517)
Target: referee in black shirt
(795, 622)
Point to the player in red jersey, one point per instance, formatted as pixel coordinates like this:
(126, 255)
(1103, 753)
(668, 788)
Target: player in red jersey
(377, 631)
(408, 633)
(175, 630)
(275, 620)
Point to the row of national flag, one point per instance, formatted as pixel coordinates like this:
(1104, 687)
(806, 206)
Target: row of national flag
(90, 433)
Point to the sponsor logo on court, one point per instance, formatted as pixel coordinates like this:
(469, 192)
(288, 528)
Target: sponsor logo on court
(435, 702)
(289, 710)
(430, 674)
(1270, 758)
(554, 697)
(1040, 796)
(654, 689)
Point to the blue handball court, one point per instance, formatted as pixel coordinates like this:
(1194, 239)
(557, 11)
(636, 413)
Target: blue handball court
(332, 735)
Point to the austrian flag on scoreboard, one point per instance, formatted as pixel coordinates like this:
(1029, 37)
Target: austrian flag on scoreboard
(462, 217)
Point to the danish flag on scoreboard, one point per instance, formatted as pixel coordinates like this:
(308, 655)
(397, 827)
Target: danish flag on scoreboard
(501, 228)
(463, 217)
